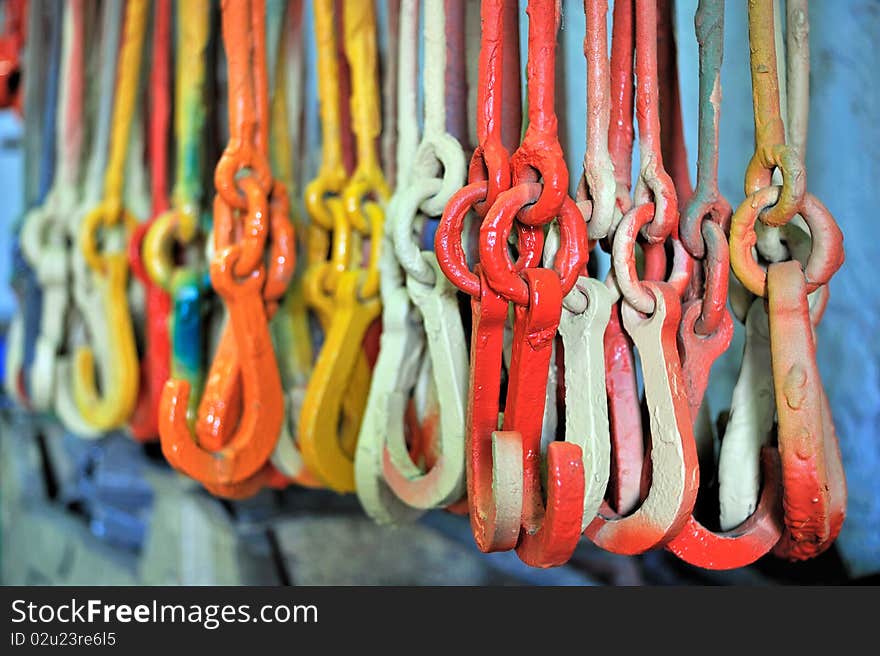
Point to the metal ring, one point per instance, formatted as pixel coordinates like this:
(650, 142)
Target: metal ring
(236, 158)
(623, 259)
(825, 258)
(255, 228)
(108, 213)
(447, 241)
(702, 207)
(530, 165)
(794, 181)
(226, 282)
(501, 272)
(355, 196)
(407, 204)
(490, 163)
(156, 251)
(441, 153)
(657, 189)
(282, 245)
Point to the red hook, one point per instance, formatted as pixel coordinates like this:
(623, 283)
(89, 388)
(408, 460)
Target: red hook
(495, 518)
(549, 534)
(156, 361)
(494, 460)
(12, 43)
(814, 490)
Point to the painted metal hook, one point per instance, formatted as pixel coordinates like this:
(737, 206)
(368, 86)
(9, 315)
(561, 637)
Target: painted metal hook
(330, 230)
(356, 290)
(85, 316)
(155, 363)
(586, 310)
(675, 478)
(433, 296)
(184, 285)
(115, 404)
(806, 442)
(494, 460)
(250, 446)
(549, 533)
(707, 200)
(812, 476)
(238, 273)
(43, 235)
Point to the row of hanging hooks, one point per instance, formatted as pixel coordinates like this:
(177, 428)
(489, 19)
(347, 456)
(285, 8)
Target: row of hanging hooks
(420, 321)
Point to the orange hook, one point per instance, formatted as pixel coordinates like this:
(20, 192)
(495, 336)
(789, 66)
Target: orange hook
(238, 273)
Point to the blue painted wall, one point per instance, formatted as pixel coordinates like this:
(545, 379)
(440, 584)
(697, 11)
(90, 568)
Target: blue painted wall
(11, 207)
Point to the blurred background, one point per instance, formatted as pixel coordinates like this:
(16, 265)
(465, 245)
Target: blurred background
(112, 512)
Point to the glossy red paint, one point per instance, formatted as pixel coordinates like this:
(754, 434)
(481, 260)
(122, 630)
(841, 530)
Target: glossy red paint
(501, 272)
(491, 160)
(495, 460)
(539, 156)
(12, 42)
(550, 530)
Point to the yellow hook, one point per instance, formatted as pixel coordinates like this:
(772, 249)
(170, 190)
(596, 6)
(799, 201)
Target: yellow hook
(111, 406)
(354, 305)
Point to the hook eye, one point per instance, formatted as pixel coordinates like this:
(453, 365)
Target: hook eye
(443, 483)
(794, 181)
(157, 252)
(655, 188)
(490, 163)
(546, 166)
(441, 153)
